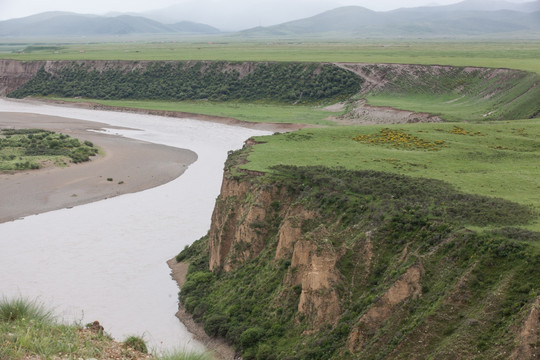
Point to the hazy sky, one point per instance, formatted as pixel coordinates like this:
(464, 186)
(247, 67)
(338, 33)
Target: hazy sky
(274, 10)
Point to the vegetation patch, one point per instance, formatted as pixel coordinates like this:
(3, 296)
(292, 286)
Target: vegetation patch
(457, 93)
(221, 81)
(29, 148)
(458, 130)
(406, 221)
(28, 330)
(245, 111)
(489, 165)
(399, 139)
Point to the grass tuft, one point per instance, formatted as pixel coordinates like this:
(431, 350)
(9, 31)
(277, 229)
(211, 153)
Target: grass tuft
(23, 310)
(136, 343)
(181, 355)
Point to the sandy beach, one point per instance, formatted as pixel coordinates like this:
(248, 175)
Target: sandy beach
(132, 165)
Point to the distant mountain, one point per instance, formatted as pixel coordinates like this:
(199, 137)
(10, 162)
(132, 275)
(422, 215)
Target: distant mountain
(406, 22)
(193, 28)
(493, 5)
(467, 18)
(71, 24)
(235, 15)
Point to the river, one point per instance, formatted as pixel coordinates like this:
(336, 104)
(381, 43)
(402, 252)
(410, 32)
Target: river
(106, 260)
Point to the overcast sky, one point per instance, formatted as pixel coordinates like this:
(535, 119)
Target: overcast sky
(262, 12)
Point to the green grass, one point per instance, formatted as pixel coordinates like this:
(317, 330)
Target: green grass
(27, 328)
(515, 54)
(501, 160)
(252, 112)
(180, 355)
(463, 96)
(30, 148)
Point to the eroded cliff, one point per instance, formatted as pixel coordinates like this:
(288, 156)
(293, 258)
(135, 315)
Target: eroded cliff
(314, 263)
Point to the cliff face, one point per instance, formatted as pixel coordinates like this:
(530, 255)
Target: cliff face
(295, 270)
(241, 221)
(14, 74)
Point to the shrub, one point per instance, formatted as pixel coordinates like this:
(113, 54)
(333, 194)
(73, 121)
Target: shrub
(251, 337)
(136, 343)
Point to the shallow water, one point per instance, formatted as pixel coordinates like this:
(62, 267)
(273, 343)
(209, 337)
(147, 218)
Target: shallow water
(106, 260)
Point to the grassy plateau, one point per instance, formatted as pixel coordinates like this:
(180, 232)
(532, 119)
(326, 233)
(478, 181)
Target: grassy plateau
(497, 159)
(514, 54)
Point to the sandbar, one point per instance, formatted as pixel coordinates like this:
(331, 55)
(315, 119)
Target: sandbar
(125, 166)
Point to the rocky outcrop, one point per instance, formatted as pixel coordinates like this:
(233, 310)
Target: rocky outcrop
(313, 268)
(240, 222)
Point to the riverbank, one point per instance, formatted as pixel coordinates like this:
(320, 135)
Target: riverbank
(82, 104)
(124, 166)
(219, 348)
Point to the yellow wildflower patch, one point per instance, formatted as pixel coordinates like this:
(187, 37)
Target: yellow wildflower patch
(460, 131)
(399, 139)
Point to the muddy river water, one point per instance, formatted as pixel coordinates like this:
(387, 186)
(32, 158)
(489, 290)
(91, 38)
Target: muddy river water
(106, 260)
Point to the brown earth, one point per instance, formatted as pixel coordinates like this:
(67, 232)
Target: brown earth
(528, 338)
(363, 114)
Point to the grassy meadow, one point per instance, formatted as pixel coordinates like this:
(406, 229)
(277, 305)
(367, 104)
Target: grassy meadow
(245, 111)
(514, 54)
(497, 159)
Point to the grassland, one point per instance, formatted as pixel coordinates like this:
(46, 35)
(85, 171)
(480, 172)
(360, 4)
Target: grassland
(497, 159)
(514, 54)
(252, 112)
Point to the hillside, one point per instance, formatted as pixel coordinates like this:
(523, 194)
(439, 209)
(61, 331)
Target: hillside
(312, 262)
(425, 93)
(478, 18)
(71, 24)
(407, 22)
(192, 80)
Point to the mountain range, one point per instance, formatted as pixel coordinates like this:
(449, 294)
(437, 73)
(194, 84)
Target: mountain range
(71, 24)
(467, 18)
(422, 22)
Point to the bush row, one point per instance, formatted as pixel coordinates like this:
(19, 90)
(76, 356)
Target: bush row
(221, 81)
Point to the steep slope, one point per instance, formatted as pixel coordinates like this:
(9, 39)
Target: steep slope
(318, 263)
(192, 80)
